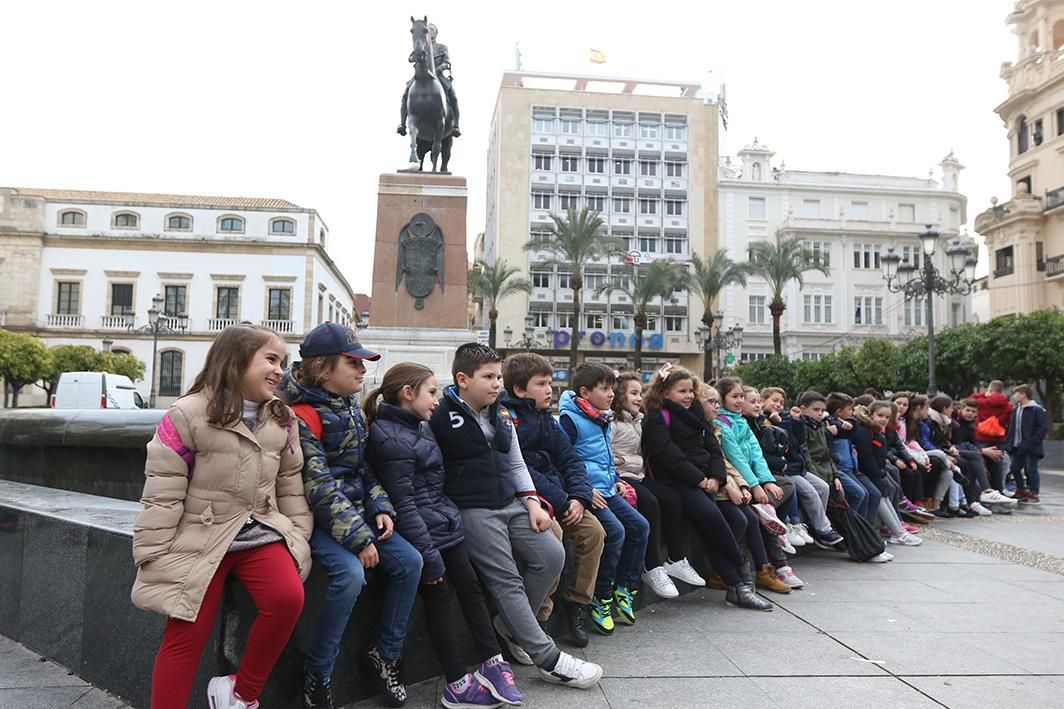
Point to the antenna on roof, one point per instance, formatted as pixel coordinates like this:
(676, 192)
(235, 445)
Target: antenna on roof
(517, 56)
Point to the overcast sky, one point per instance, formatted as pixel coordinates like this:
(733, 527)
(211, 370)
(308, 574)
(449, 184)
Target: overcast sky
(300, 100)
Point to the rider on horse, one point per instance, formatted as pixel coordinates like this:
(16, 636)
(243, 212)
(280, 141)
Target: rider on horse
(442, 60)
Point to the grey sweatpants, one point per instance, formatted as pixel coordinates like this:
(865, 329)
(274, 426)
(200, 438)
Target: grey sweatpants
(813, 500)
(497, 539)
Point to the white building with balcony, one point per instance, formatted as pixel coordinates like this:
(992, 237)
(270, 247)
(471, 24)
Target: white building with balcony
(848, 221)
(101, 258)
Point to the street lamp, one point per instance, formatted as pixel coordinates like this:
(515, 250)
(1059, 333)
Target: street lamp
(529, 341)
(928, 280)
(715, 343)
(158, 324)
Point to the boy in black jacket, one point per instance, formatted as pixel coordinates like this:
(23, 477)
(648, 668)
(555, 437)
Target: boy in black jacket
(1023, 442)
(559, 476)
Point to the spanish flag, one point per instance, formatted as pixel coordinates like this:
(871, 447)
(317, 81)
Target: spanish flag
(597, 57)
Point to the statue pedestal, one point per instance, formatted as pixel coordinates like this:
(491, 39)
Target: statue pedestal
(400, 196)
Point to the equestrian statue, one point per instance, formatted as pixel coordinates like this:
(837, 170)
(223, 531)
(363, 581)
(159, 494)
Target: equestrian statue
(429, 111)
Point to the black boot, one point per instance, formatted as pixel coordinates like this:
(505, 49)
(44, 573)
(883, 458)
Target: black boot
(316, 692)
(574, 622)
(746, 571)
(386, 675)
(743, 596)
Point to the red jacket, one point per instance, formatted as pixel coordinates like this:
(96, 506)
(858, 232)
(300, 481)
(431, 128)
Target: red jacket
(996, 405)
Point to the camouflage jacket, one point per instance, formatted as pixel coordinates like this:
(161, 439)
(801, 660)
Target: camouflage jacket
(342, 491)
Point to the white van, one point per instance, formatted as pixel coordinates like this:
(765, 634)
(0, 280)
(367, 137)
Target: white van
(96, 390)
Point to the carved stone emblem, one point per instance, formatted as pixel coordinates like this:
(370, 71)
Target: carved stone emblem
(420, 258)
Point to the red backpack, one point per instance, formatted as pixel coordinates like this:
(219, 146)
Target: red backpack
(310, 416)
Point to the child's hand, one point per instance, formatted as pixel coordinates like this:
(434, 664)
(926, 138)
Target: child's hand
(759, 494)
(838, 484)
(734, 495)
(434, 582)
(774, 490)
(795, 412)
(574, 512)
(775, 417)
(846, 425)
(746, 496)
(598, 502)
(368, 556)
(385, 526)
(709, 485)
(900, 464)
(538, 517)
(832, 429)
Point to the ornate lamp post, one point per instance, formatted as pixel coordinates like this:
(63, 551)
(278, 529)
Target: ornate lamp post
(529, 341)
(715, 343)
(928, 280)
(158, 324)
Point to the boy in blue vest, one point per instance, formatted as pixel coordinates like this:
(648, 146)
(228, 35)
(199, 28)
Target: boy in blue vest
(584, 414)
(504, 518)
(1023, 441)
(560, 477)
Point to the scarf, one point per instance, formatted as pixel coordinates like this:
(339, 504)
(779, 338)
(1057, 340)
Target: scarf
(812, 423)
(602, 418)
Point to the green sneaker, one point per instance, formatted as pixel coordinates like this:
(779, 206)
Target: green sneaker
(623, 597)
(601, 612)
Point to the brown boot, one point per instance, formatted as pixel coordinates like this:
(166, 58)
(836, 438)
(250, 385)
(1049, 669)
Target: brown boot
(767, 579)
(715, 581)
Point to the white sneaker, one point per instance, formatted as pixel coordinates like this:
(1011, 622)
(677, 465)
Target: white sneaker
(658, 581)
(906, 539)
(221, 694)
(976, 507)
(787, 576)
(572, 672)
(993, 497)
(516, 650)
(1008, 493)
(683, 571)
(794, 536)
(804, 531)
(882, 558)
(785, 544)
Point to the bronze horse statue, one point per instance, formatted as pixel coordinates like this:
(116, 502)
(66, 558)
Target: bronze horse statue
(429, 121)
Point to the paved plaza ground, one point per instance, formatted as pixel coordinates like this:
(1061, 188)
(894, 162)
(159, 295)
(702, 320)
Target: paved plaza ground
(973, 618)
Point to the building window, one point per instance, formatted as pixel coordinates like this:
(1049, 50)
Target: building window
(622, 130)
(570, 126)
(810, 208)
(652, 323)
(125, 220)
(866, 256)
(321, 237)
(648, 206)
(1060, 121)
(820, 252)
(907, 213)
(543, 163)
(674, 323)
(622, 206)
(174, 301)
(282, 226)
(178, 222)
(540, 318)
(540, 279)
(622, 167)
(754, 356)
(596, 166)
(540, 201)
(280, 304)
(563, 280)
(619, 322)
(915, 308)
(675, 132)
(648, 168)
(858, 210)
(648, 132)
(72, 217)
(539, 237)
(171, 369)
(565, 321)
(1037, 135)
(542, 125)
(68, 301)
(594, 281)
(757, 310)
(597, 128)
(867, 310)
(756, 207)
(1003, 262)
(674, 207)
(596, 204)
(675, 169)
(816, 308)
(570, 164)
(675, 244)
(1021, 135)
(912, 256)
(227, 306)
(232, 225)
(568, 201)
(594, 321)
(648, 244)
(121, 298)
(812, 356)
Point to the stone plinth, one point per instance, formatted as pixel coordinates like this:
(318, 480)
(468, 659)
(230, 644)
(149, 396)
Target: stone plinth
(400, 196)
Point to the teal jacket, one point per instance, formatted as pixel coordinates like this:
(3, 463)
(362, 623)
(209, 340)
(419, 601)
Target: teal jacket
(742, 448)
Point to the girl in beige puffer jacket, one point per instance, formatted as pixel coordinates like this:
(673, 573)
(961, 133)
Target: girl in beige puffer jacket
(224, 494)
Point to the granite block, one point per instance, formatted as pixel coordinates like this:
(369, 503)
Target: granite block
(21, 668)
(842, 692)
(982, 692)
(12, 538)
(53, 588)
(670, 693)
(774, 654)
(933, 653)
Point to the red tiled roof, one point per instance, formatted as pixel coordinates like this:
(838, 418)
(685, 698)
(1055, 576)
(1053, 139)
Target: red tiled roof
(159, 199)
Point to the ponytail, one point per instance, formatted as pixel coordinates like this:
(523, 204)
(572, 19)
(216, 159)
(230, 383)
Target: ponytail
(404, 374)
(370, 405)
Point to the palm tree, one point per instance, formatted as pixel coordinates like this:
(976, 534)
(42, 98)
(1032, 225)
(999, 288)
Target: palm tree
(573, 242)
(491, 282)
(779, 262)
(642, 284)
(709, 277)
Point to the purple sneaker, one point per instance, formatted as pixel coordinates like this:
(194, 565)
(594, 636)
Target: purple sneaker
(498, 679)
(474, 697)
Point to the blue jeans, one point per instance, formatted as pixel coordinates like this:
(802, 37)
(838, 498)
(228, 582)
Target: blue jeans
(862, 494)
(1022, 462)
(626, 544)
(399, 561)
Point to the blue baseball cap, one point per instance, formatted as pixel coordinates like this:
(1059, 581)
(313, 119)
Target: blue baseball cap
(333, 339)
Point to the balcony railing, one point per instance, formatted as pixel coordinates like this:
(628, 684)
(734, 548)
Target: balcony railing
(285, 327)
(219, 324)
(1054, 198)
(1055, 267)
(115, 322)
(65, 321)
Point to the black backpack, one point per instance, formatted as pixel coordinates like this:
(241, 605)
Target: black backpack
(862, 541)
